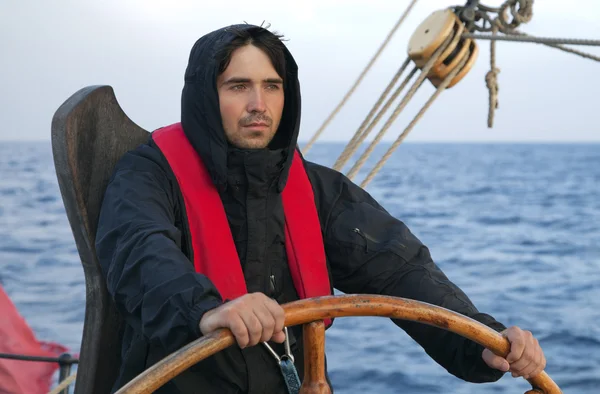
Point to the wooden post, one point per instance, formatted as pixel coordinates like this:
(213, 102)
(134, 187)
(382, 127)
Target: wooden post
(315, 381)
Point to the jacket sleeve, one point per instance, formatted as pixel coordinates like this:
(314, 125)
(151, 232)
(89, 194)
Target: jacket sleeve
(371, 252)
(138, 244)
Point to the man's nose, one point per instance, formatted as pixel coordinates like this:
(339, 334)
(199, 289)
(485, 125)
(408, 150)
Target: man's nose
(257, 101)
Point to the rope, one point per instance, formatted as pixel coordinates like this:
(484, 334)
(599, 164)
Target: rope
(522, 15)
(418, 117)
(64, 384)
(360, 78)
(521, 11)
(491, 80)
(576, 52)
(416, 85)
(565, 49)
(538, 40)
(363, 132)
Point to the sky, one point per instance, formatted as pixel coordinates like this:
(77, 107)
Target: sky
(51, 49)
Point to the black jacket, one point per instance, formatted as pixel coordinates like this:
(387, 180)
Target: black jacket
(143, 245)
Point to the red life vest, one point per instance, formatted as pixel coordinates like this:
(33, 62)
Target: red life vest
(215, 254)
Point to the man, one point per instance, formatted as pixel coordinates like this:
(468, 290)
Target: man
(218, 220)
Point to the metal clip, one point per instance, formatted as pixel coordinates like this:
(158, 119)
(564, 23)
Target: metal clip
(288, 350)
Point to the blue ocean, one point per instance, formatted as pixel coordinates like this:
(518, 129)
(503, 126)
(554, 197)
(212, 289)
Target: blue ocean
(516, 226)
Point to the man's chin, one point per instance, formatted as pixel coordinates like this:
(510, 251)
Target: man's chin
(252, 143)
(252, 140)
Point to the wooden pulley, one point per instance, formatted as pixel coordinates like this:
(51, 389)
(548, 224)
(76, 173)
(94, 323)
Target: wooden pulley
(450, 59)
(474, 51)
(430, 35)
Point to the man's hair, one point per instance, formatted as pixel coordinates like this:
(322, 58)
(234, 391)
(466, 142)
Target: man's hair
(269, 42)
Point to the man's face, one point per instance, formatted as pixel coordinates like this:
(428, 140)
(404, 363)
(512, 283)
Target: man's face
(251, 98)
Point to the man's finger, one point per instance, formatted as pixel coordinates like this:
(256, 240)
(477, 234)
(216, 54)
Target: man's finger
(239, 330)
(541, 364)
(527, 371)
(277, 312)
(522, 368)
(495, 361)
(253, 326)
(266, 320)
(517, 345)
(521, 364)
(534, 354)
(279, 337)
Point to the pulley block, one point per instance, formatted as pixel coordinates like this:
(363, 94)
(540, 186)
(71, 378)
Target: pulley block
(430, 35)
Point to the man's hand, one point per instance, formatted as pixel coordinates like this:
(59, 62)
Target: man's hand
(252, 318)
(526, 357)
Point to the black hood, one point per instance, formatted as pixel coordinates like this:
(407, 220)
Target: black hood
(200, 112)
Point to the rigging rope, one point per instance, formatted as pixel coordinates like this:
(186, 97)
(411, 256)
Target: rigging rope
(521, 15)
(520, 37)
(562, 48)
(491, 79)
(416, 85)
(412, 124)
(360, 78)
(64, 384)
(521, 11)
(363, 132)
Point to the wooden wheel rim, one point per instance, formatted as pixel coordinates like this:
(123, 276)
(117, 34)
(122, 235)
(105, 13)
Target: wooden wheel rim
(320, 308)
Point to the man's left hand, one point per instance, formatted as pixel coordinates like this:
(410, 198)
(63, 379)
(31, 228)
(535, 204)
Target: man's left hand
(525, 358)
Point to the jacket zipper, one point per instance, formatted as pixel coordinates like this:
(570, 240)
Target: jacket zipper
(272, 285)
(365, 237)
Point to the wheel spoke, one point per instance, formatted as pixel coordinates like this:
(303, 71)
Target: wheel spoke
(315, 381)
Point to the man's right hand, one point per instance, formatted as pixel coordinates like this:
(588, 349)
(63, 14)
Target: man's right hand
(252, 318)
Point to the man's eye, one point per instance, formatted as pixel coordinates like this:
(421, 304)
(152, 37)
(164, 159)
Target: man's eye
(238, 87)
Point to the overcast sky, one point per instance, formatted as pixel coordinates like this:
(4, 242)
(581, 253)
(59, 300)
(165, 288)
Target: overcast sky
(50, 49)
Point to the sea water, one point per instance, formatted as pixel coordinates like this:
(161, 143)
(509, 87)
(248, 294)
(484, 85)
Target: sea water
(516, 226)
